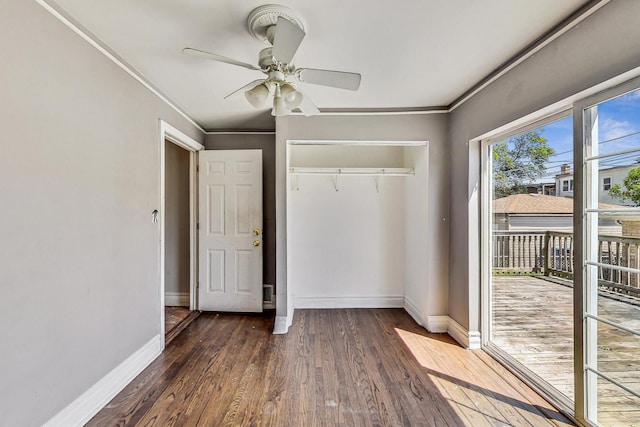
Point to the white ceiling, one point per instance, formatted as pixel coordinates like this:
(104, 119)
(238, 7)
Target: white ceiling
(411, 53)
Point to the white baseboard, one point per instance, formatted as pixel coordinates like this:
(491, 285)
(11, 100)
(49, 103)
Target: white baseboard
(280, 326)
(81, 410)
(438, 324)
(475, 340)
(176, 299)
(467, 339)
(444, 324)
(282, 323)
(349, 302)
(413, 311)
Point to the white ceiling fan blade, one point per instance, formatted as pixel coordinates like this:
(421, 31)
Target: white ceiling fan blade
(219, 58)
(286, 40)
(248, 86)
(307, 107)
(339, 79)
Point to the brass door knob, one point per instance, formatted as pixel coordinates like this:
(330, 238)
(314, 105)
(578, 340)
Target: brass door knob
(256, 243)
(256, 231)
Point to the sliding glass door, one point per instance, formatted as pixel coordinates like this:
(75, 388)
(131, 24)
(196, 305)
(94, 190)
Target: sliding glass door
(561, 281)
(611, 269)
(530, 298)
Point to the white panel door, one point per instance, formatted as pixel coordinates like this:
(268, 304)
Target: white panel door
(230, 221)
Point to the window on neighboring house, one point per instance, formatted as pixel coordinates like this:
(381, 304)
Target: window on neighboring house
(570, 185)
(565, 185)
(606, 184)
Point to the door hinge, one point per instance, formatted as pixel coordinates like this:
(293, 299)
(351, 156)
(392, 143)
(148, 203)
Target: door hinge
(197, 226)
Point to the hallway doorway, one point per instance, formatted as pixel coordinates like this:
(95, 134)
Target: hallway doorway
(178, 225)
(177, 254)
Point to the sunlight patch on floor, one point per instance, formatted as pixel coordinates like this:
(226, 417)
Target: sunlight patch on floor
(458, 374)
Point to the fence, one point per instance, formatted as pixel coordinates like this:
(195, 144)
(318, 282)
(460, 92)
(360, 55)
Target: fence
(551, 254)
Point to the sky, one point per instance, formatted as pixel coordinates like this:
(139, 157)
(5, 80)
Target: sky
(618, 130)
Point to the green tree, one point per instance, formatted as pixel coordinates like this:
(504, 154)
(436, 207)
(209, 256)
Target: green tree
(519, 160)
(631, 190)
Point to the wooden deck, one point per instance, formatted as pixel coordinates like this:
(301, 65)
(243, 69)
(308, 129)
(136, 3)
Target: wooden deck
(533, 322)
(351, 367)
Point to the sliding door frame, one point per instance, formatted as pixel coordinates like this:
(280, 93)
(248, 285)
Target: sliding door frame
(584, 300)
(524, 373)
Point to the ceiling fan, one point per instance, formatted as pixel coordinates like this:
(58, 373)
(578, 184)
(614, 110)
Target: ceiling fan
(284, 31)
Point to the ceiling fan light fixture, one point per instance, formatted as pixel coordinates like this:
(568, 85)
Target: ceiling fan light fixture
(279, 108)
(292, 98)
(257, 96)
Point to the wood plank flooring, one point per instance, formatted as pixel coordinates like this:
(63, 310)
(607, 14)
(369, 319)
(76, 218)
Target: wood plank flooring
(174, 315)
(353, 367)
(176, 319)
(533, 322)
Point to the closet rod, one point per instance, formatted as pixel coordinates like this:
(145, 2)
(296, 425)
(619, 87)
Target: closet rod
(353, 171)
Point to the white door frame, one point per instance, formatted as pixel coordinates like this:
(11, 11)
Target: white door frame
(171, 134)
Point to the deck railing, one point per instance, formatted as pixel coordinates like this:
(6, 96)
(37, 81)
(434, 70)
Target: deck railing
(518, 252)
(551, 254)
(621, 252)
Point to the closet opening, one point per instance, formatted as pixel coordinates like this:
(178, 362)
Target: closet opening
(355, 210)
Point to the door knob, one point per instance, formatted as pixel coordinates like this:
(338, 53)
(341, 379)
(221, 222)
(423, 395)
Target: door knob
(256, 243)
(256, 231)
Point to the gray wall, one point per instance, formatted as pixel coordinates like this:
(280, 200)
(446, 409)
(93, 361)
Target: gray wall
(79, 178)
(431, 127)
(601, 47)
(265, 142)
(177, 255)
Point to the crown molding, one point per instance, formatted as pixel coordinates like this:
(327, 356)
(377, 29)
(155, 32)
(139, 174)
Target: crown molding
(554, 33)
(239, 132)
(380, 111)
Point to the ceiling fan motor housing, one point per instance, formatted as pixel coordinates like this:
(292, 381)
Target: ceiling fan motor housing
(265, 58)
(276, 76)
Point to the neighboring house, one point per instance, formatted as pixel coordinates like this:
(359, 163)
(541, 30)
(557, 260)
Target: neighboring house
(606, 179)
(538, 212)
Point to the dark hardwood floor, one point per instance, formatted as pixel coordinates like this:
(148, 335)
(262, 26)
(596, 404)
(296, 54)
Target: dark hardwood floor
(352, 367)
(176, 319)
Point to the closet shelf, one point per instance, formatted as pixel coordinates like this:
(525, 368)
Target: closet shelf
(352, 171)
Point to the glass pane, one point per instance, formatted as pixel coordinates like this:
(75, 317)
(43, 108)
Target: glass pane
(616, 407)
(619, 128)
(532, 252)
(617, 182)
(619, 350)
(613, 238)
